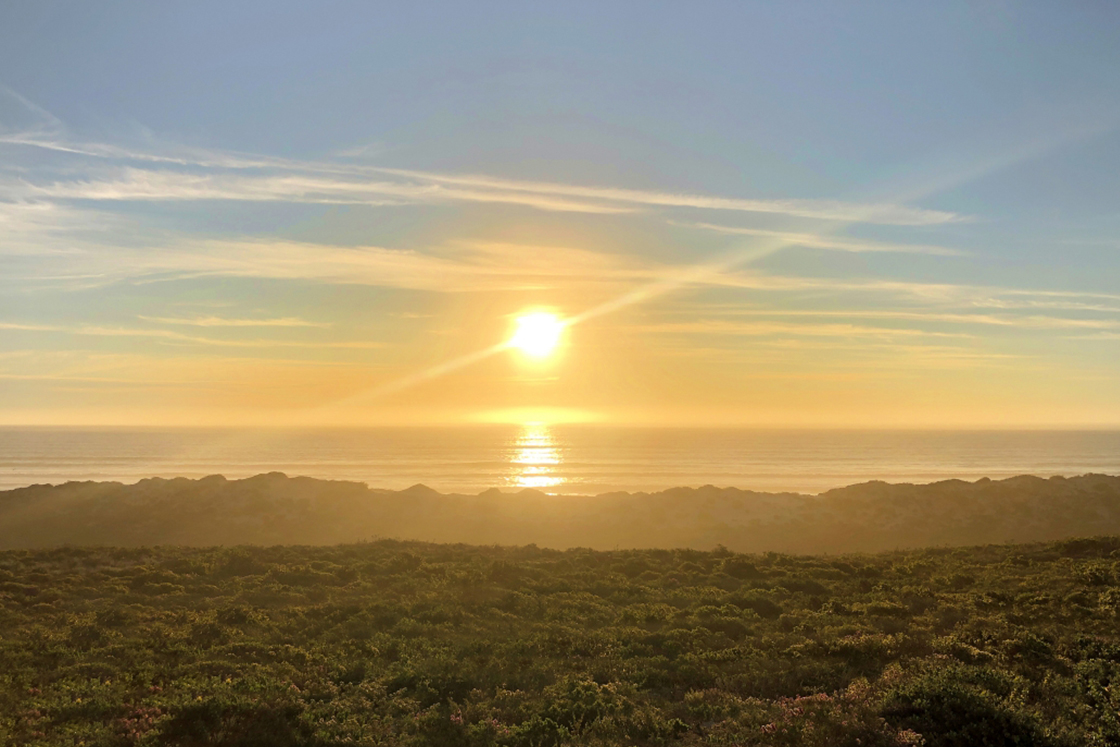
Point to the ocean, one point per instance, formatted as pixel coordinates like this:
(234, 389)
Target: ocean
(555, 459)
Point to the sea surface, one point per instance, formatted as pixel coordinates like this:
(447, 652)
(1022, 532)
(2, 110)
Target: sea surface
(556, 459)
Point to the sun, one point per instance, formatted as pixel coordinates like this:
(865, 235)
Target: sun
(537, 334)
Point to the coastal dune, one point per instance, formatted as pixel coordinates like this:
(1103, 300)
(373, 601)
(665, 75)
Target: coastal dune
(272, 509)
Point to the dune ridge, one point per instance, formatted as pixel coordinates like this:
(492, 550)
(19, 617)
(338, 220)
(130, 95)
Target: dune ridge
(272, 509)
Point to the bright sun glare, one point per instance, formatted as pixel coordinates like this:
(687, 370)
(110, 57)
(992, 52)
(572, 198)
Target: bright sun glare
(537, 334)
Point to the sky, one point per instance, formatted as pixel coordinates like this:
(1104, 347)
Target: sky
(759, 214)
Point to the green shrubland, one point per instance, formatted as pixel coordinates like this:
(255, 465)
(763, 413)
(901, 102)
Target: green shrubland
(423, 644)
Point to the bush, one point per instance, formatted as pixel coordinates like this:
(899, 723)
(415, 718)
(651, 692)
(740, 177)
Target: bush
(847, 719)
(949, 711)
(215, 724)
(511, 647)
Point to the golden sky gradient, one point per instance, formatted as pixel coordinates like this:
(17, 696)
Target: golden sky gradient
(309, 229)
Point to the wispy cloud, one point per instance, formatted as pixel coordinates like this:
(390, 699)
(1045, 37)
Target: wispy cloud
(25, 123)
(1046, 303)
(945, 293)
(173, 337)
(819, 241)
(834, 357)
(313, 183)
(1105, 336)
(831, 210)
(231, 377)
(45, 228)
(164, 185)
(453, 268)
(174, 172)
(1027, 321)
(217, 321)
(495, 266)
(785, 329)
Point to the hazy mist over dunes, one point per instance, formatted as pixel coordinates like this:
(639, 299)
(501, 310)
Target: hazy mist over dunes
(274, 509)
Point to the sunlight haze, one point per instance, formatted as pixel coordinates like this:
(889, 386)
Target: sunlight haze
(887, 215)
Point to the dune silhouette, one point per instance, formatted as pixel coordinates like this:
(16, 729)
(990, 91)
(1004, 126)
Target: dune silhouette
(273, 508)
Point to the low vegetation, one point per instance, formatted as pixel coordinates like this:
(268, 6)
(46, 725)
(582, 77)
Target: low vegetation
(395, 642)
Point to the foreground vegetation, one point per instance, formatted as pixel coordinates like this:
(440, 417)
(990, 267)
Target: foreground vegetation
(409, 643)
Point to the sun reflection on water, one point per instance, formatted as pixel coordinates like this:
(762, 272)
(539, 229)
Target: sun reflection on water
(535, 458)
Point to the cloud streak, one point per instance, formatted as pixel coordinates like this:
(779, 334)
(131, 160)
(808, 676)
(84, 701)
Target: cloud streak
(456, 267)
(171, 172)
(785, 329)
(172, 337)
(311, 183)
(216, 321)
(821, 241)
(1025, 321)
(830, 210)
(146, 185)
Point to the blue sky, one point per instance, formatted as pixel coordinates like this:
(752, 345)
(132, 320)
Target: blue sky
(902, 213)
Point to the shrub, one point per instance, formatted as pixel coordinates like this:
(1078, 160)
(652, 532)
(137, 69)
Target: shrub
(949, 711)
(215, 724)
(846, 719)
(740, 568)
